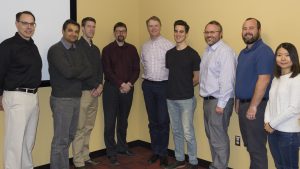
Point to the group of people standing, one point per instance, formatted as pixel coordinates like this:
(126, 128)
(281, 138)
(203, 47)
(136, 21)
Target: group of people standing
(225, 80)
(171, 71)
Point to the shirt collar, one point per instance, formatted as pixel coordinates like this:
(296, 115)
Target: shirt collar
(116, 44)
(156, 39)
(19, 38)
(254, 46)
(90, 43)
(214, 46)
(66, 44)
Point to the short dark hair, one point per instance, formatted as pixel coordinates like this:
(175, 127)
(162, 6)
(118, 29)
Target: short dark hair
(182, 23)
(293, 56)
(257, 22)
(70, 21)
(155, 18)
(214, 22)
(86, 19)
(120, 24)
(18, 15)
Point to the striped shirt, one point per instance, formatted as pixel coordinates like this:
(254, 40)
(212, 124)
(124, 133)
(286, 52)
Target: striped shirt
(153, 59)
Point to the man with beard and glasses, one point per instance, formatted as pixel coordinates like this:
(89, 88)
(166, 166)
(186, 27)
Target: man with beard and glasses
(121, 66)
(217, 76)
(253, 75)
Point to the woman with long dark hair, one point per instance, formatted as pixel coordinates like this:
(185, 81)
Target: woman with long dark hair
(283, 109)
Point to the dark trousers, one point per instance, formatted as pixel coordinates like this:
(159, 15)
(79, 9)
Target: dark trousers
(285, 149)
(157, 110)
(254, 135)
(116, 107)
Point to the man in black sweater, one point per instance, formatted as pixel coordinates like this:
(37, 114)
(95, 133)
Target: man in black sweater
(68, 67)
(91, 89)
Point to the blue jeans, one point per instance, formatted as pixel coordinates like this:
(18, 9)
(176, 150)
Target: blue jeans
(285, 149)
(181, 114)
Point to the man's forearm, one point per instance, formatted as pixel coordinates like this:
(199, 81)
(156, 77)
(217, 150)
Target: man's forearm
(260, 89)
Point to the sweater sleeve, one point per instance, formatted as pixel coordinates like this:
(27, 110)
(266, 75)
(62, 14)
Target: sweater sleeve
(59, 61)
(85, 67)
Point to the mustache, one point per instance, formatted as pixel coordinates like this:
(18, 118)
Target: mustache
(248, 34)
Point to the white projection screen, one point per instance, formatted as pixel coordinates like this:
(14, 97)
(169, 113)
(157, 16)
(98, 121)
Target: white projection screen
(49, 16)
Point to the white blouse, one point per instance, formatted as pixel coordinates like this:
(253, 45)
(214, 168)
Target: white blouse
(283, 108)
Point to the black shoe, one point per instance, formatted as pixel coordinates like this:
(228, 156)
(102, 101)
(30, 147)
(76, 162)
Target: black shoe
(113, 160)
(191, 166)
(163, 161)
(91, 162)
(83, 167)
(176, 164)
(127, 152)
(153, 159)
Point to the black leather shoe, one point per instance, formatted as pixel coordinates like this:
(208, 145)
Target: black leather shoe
(113, 160)
(176, 164)
(163, 161)
(83, 167)
(127, 152)
(91, 162)
(153, 159)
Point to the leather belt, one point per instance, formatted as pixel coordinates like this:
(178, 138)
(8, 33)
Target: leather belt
(151, 81)
(26, 90)
(209, 98)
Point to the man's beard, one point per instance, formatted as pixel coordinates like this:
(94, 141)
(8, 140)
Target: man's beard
(121, 38)
(251, 40)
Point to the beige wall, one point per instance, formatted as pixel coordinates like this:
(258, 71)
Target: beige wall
(279, 23)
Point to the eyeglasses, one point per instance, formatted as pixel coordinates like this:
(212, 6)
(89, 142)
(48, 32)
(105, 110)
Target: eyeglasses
(210, 32)
(32, 24)
(120, 31)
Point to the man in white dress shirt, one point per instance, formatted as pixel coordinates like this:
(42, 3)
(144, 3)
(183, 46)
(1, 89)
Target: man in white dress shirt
(154, 88)
(217, 75)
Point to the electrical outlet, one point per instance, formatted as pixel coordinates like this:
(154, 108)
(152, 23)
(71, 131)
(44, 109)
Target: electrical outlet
(237, 140)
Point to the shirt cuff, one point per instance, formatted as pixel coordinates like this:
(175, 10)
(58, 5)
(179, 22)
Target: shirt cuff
(221, 104)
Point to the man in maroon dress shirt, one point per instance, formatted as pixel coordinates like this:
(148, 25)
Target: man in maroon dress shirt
(121, 67)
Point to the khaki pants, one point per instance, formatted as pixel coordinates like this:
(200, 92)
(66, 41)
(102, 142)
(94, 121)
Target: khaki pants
(87, 117)
(21, 117)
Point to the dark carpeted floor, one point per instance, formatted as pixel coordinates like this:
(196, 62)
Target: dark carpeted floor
(139, 161)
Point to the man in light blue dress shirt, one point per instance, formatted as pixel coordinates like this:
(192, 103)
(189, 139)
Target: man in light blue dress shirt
(217, 75)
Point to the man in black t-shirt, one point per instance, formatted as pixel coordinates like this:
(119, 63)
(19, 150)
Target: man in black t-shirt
(183, 64)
